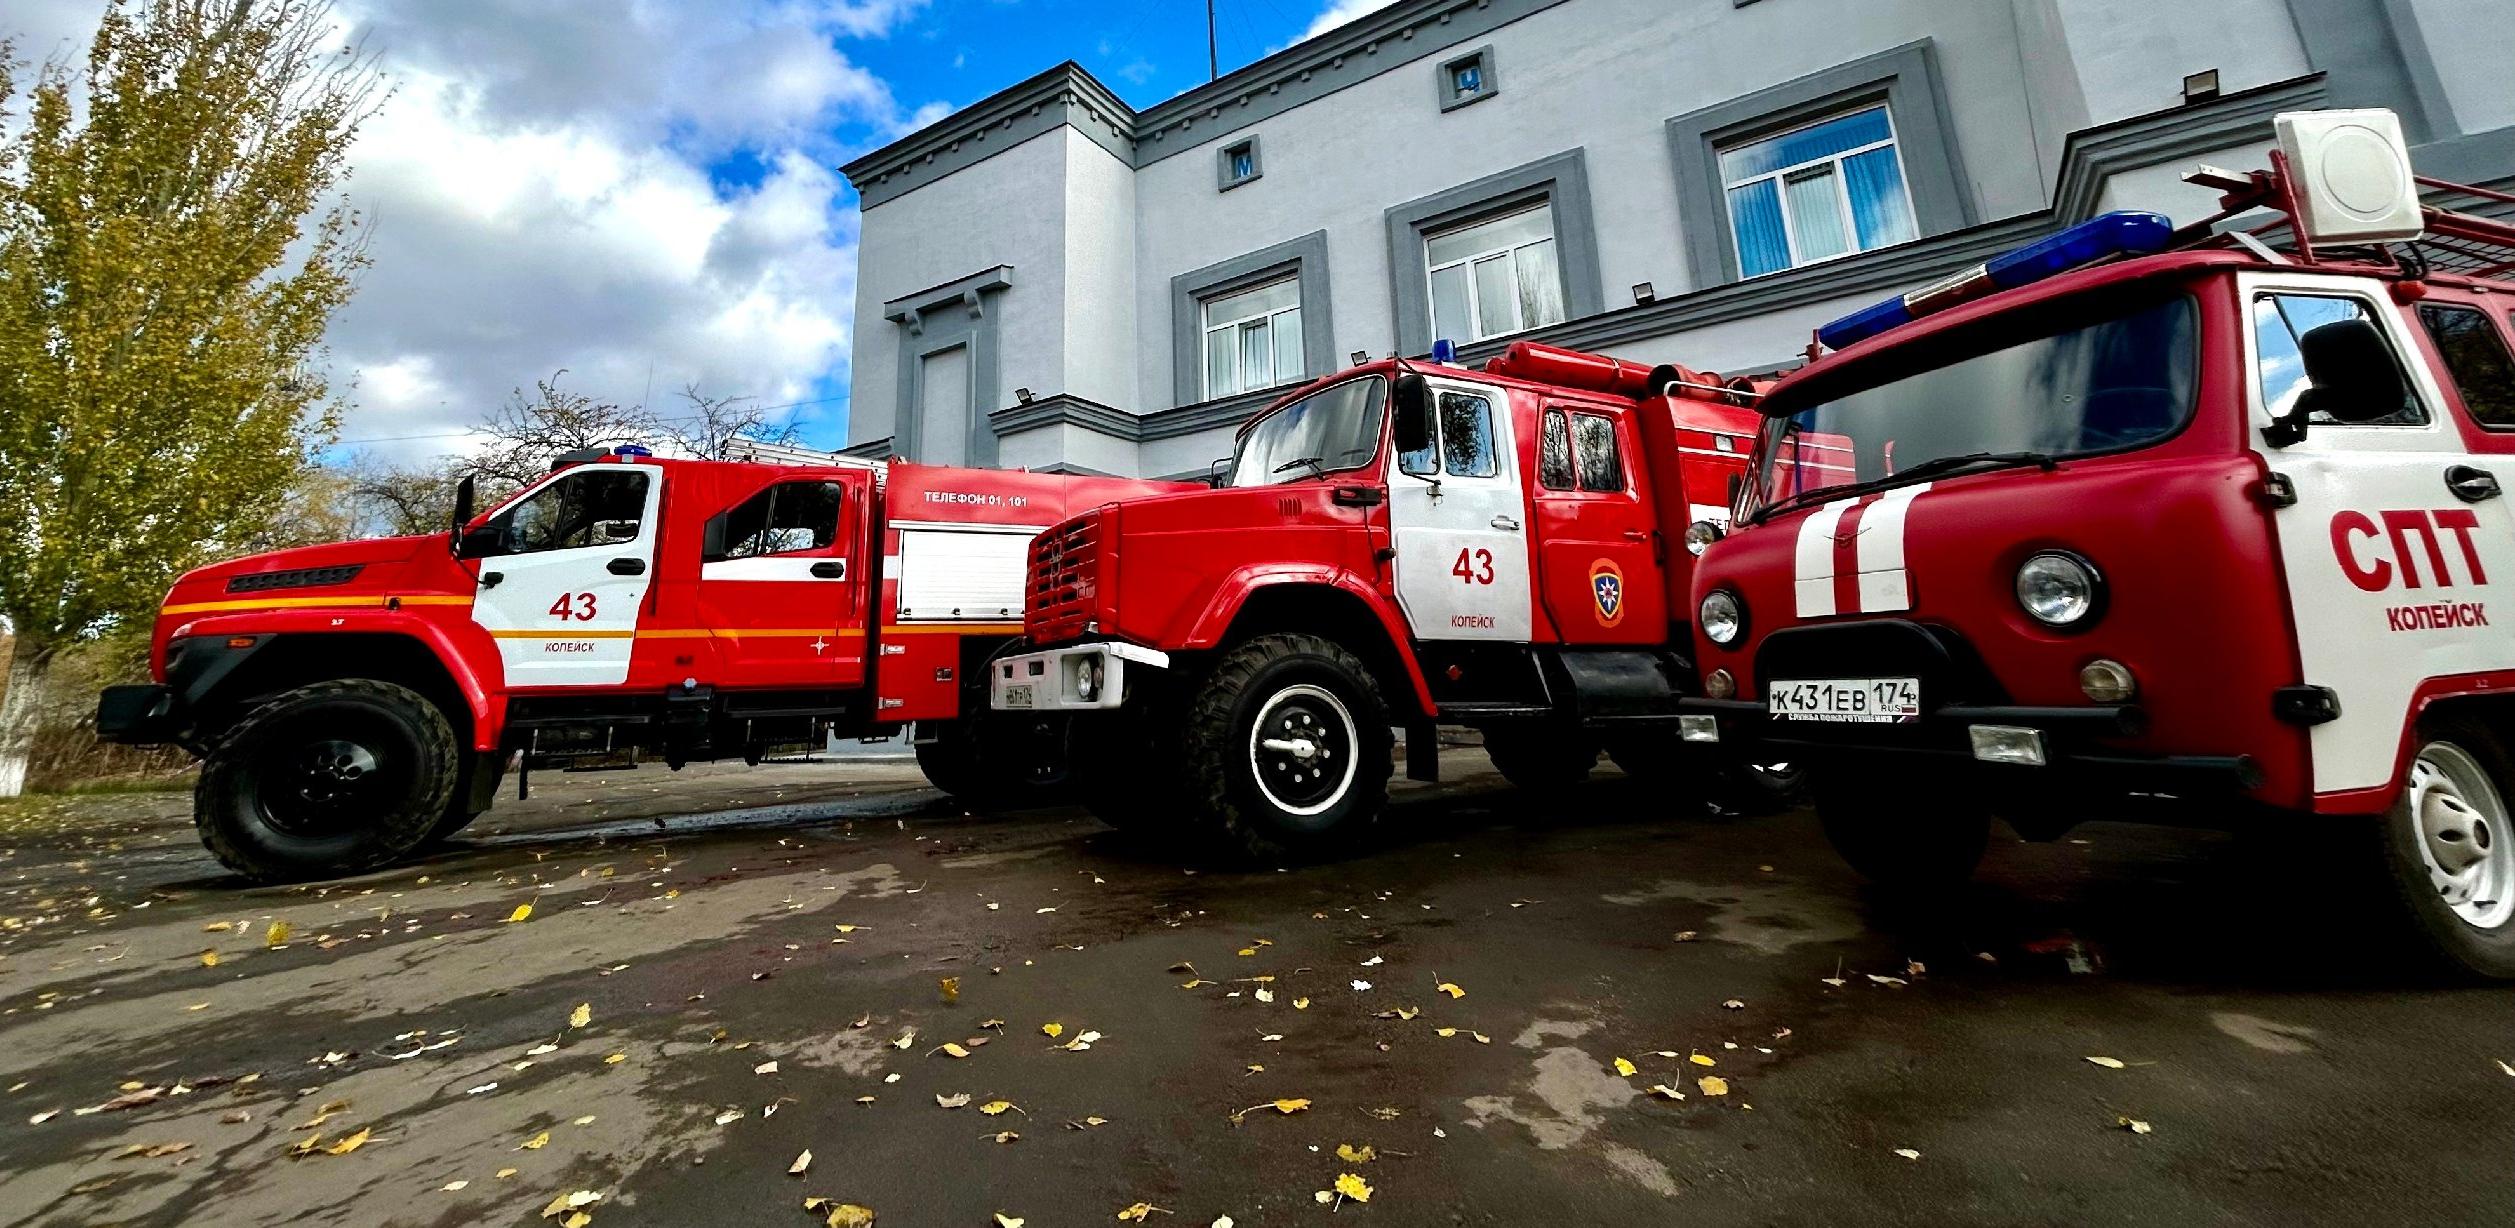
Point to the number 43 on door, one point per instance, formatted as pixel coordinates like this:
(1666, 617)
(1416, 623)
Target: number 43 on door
(1476, 570)
(578, 606)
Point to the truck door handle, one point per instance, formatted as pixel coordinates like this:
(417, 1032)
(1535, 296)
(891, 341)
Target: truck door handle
(490, 579)
(831, 570)
(626, 567)
(1506, 524)
(1637, 535)
(2472, 485)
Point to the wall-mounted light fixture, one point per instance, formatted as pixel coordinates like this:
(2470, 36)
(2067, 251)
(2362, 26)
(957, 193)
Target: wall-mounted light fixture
(2201, 86)
(1022, 395)
(1361, 357)
(1643, 293)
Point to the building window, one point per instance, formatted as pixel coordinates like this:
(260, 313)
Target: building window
(1497, 276)
(1253, 339)
(1824, 190)
(1468, 78)
(1240, 164)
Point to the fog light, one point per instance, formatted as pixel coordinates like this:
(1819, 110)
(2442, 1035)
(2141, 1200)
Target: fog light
(1720, 685)
(2008, 744)
(1700, 535)
(1087, 678)
(2107, 681)
(1698, 728)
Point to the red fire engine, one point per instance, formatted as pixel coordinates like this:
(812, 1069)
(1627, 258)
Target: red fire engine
(1397, 544)
(354, 701)
(2201, 522)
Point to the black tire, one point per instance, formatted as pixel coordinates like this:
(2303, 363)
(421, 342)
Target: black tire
(2459, 781)
(458, 815)
(1659, 758)
(964, 761)
(1541, 758)
(1320, 699)
(1900, 828)
(328, 779)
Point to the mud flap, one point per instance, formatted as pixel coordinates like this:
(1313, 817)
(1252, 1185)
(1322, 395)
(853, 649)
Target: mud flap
(1423, 753)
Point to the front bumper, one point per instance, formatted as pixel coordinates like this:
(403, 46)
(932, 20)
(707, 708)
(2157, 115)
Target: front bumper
(146, 714)
(2059, 745)
(1075, 678)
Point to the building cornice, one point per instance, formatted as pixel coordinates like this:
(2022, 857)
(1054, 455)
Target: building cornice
(1066, 409)
(1069, 95)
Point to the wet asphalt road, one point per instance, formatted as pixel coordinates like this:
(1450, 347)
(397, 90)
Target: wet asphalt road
(2289, 1071)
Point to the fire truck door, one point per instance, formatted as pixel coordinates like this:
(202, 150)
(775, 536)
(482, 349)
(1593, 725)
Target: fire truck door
(1597, 557)
(779, 585)
(1455, 514)
(2394, 553)
(563, 571)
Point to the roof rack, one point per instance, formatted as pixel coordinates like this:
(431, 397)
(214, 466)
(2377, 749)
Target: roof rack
(2455, 242)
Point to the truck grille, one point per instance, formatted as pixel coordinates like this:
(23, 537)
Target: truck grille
(1063, 587)
(303, 577)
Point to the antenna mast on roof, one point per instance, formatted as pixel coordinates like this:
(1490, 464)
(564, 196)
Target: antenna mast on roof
(1213, 57)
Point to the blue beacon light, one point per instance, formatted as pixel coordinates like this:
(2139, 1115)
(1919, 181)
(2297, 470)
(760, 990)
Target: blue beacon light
(1445, 352)
(2123, 233)
(631, 449)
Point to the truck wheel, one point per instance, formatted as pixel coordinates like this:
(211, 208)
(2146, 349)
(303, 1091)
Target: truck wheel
(2449, 850)
(1657, 757)
(1541, 757)
(1900, 828)
(1287, 748)
(327, 779)
(957, 761)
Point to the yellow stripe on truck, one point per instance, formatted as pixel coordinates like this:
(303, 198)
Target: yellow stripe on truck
(299, 603)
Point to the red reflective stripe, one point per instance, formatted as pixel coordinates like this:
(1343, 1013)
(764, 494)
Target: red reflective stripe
(1847, 556)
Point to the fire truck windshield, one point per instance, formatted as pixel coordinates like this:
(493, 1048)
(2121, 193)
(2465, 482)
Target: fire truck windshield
(2121, 379)
(1336, 428)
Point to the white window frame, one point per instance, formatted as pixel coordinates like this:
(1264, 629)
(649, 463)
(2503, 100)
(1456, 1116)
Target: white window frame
(1274, 325)
(1475, 313)
(1842, 193)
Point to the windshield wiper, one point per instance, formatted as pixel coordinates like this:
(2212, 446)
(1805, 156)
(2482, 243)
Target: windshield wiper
(1926, 469)
(1299, 461)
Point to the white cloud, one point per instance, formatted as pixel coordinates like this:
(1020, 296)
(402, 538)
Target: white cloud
(1341, 11)
(538, 194)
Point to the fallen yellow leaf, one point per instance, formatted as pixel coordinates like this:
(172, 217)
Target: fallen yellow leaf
(1052, 1030)
(521, 912)
(1665, 1092)
(350, 1144)
(1008, 1221)
(209, 959)
(2132, 1125)
(615, 1059)
(1355, 1155)
(1625, 1068)
(1352, 1187)
(849, 1215)
(1453, 991)
(2109, 1063)
(1701, 1059)
(577, 1219)
(801, 1163)
(582, 1015)
(952, 1049)
(997, 1108)
(1303, 1004)
(1139, 1213)
(277, 934)
(953, 1101)
(951, 988)
(535, 1143)
(1713, 1085)
(1291, 1106)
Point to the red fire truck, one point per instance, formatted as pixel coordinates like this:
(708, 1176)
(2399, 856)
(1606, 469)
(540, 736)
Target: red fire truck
(1399, 544)
(2201, 522)
(354, 701)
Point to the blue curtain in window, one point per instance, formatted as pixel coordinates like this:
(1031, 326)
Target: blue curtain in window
(1878, 204)
(1755, 216)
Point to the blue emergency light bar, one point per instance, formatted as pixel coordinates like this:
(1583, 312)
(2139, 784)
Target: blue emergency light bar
(2114, 234)
(631, 449)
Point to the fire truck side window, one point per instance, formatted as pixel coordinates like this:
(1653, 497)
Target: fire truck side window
(2475, 355)
(1594, 446)
(1554, 453)
(2308, 344)
(591, 507)
(784, 519)
(1467, 435)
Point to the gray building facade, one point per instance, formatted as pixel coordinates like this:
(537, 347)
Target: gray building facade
(1052, 279)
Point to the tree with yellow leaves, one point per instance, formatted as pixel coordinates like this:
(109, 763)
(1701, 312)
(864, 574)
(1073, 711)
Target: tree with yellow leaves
(170, 253)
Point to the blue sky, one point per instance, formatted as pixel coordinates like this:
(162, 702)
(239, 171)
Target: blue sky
(645, 196)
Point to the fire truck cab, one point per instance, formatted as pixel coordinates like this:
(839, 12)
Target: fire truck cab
(1400, 544)
(2203, 522)
(356, 700)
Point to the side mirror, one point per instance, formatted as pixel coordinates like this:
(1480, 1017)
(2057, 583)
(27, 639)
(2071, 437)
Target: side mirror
(1218, 473)
(614, 532)
(1412, 405)
(712, 540)
(466, 492)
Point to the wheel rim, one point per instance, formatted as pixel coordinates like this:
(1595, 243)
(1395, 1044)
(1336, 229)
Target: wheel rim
(329, 779)
(2463, 835)
(1301, 750)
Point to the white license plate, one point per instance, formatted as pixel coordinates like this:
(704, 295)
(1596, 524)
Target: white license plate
(1018, 696)
(1859, 700)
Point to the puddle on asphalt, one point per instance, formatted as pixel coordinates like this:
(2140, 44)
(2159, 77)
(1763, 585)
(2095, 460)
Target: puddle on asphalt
(1766, 917)
(1572, 1092)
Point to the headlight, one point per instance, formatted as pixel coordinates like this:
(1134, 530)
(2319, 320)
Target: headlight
(2059, 589)
(1700, 535)
(1087, 678)
(1724, 617)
